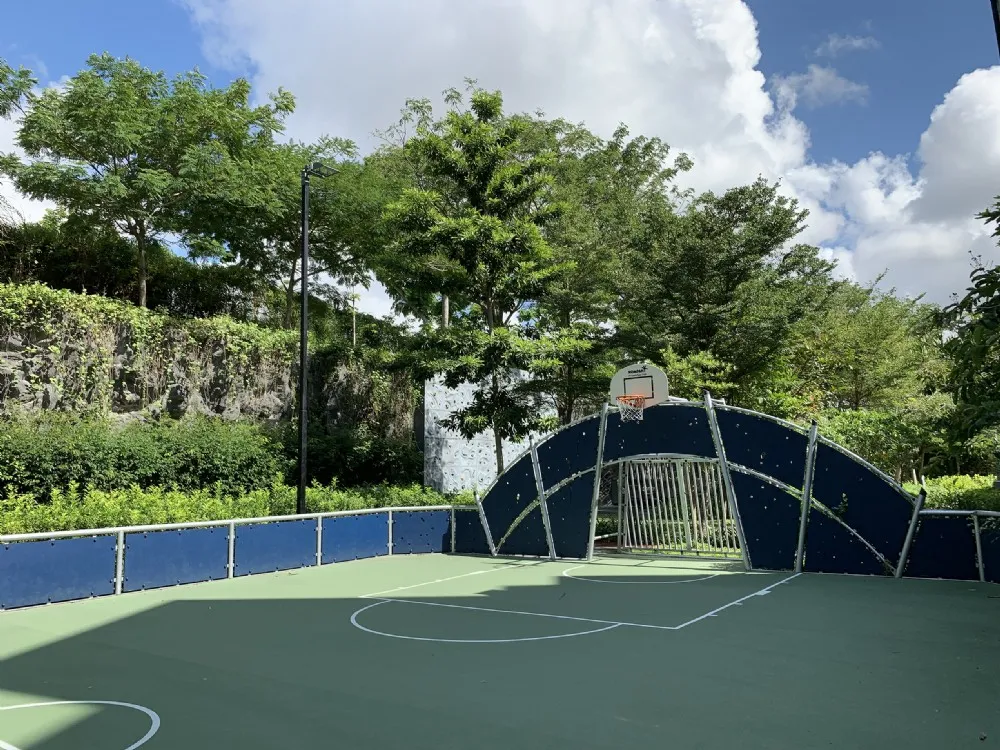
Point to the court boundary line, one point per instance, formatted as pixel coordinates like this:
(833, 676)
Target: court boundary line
(154, 718)
(611, 624)
(566, 574)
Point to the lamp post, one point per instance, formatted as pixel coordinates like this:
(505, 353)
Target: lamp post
(318, 169)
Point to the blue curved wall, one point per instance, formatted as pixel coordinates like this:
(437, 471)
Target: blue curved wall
(857, 518)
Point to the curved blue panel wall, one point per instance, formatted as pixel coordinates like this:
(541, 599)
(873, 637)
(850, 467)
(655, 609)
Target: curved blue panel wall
(57, 570)
(569, 516)
(763, 445)
(282, 545)
(167, 558)
(870, 505)
(831, 548)
(665, 428)
(355, 537)
(943, 547)
(514, 491)
(989, 538)
(528, 538)
(770, 522)
(569, 451)
(421, 531)
(470, 538)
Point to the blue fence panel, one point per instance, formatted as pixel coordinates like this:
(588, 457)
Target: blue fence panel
(56, 570)
(944, 547)
(282, 545)
(863, 500)
(831, 548)
(569, 515)
(470, 538)
(770, 522)
(355, 537)
(572, 450)
(166, 558)
(989, 538)
(421, 531)
(764, 445)
(528, 538)
(514, 491)
(665, 428)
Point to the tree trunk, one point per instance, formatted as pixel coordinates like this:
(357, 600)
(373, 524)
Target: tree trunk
(140, 241)
(498, 447)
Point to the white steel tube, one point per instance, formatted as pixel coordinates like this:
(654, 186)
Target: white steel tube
(905, 552)
(807, 481)
(120, 562)
(390, 533)
(231, 559)
(979, 548)
(540, 489)
(598, 466)
(319, 541)
(727, 478)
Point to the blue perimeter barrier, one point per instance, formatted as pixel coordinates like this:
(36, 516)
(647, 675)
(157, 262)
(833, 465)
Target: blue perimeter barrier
(68, 565)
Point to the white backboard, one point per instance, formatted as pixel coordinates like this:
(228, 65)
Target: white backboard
(640, 379)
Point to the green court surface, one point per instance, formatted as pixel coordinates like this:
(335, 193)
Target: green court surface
(451, 652)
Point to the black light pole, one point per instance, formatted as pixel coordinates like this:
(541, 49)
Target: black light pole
(320, 170)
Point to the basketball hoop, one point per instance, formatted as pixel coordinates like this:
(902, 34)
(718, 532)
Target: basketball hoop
(630, 407)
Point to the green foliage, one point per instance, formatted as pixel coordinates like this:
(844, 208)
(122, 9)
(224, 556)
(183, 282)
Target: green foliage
(476, 237)
(42, 455)
(689, 377)
(91, 508)
(960, 492)
(121, 147)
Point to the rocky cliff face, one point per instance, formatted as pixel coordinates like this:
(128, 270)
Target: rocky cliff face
(70, 352)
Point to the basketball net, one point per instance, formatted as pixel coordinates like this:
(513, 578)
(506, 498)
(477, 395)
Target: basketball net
(630, 407)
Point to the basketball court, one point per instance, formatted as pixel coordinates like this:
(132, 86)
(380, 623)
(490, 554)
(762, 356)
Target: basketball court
(443, 651)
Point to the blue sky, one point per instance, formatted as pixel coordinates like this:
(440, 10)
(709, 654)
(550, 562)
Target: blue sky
(881, 116)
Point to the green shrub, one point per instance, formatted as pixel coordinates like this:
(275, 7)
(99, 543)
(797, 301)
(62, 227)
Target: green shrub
(93, 508)
(44, 454)
(961, 492)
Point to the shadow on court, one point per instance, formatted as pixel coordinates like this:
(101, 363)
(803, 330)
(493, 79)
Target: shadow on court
(276, 662)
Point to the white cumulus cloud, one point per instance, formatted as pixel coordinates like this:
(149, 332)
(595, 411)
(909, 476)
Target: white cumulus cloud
(817, 87)
(836, 44)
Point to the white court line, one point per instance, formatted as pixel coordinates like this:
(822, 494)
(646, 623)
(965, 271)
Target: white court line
(354, 621)
(154, 719)
(598, 580)
(714, 612)
(442, 580)
(614, 623)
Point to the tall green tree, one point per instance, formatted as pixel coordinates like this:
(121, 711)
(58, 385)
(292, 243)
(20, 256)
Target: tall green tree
(124, 147)
(723, 277)
(609, 190)
(477, 238)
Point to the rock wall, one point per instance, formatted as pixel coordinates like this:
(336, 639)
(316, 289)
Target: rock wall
(451, 462)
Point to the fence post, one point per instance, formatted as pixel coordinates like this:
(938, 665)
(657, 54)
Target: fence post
(979, 546)
(319, 540)
(618, 492)
(231, 562)
(452, 511)
(598, 466)
(484, 522)
(120, 562)
(727, 478)
(905, 552)
(807, 483)
(540, 488)
(390, 532)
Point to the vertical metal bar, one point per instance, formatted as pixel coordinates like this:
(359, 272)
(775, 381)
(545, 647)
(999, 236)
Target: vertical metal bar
(727, 478)
(905, 552)
(120, 562)
(636, 505)
(540, 488)
(807, 483)
(660, 510)
(702, 501)
(453, 529)
(390, 532)
(685, 514)
(629, 509)
(671, 483)
(598, 465)
(979, 547)
(300, 500)
(649, 540)
(231, 562)
(319, 540)
(618, 492)
(484, 522)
